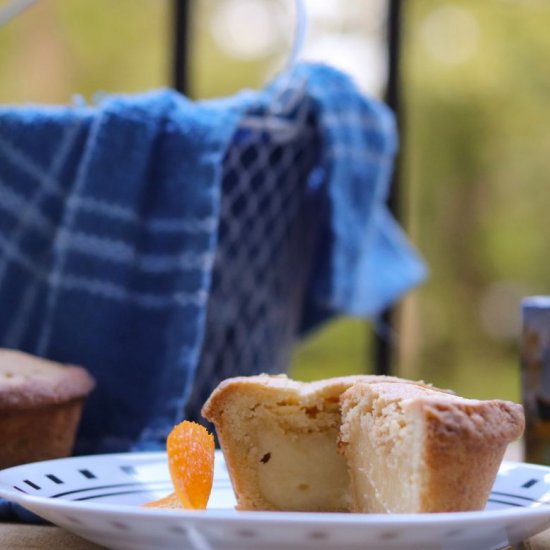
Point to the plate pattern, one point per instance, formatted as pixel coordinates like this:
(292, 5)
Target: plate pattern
(100, 498)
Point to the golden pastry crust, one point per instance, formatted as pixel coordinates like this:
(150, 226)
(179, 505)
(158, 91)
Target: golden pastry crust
(448, 447)
(286, 389)
(279, 438)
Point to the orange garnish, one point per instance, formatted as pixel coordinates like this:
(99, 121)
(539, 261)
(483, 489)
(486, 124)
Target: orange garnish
(191, 462)
(169, 501)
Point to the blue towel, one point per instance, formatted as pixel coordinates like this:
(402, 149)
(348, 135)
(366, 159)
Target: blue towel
(114, 218)
(365, 262)
(107, 233)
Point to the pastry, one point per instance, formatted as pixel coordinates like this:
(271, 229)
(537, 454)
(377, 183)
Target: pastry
(279, 438)
(412, 449)
(40, 407)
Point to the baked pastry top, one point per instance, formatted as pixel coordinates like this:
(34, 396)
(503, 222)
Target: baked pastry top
(28, 381)
(415, 449)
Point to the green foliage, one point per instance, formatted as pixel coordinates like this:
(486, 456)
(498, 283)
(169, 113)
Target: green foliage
(476, 158)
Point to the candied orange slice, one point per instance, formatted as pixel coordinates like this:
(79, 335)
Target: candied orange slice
(191, 462)
(170, 501)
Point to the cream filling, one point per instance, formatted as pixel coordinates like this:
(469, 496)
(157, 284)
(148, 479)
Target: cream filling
(302, 471)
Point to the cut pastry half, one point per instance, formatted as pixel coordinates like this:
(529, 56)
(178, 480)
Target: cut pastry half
(415, 449)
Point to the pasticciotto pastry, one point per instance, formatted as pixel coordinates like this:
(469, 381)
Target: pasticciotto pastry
(413, 449)
(40, 407)
(280, 441)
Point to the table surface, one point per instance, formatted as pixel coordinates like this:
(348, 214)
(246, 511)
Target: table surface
(17, 536)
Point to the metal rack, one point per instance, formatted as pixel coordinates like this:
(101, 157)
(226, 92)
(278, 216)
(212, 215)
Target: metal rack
(384, 340)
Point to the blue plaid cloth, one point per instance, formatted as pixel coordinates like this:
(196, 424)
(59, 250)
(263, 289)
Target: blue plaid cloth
(113, 219)
(107, 236)
(365, 262)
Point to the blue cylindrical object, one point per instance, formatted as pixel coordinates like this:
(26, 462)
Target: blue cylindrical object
(535, 375)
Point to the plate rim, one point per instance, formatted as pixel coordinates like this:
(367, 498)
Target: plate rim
(272, 517)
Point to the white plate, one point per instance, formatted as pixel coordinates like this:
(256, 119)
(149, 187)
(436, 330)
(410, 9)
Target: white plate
(99, 498)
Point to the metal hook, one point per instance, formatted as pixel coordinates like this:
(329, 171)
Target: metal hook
(286, 98)
(300, 32)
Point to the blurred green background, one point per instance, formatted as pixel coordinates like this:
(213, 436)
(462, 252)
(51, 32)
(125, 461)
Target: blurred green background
(475, 144)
